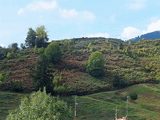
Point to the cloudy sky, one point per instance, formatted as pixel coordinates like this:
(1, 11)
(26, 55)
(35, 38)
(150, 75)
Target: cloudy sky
(63, 19)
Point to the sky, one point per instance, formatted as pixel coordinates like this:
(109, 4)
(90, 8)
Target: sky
(65, 19)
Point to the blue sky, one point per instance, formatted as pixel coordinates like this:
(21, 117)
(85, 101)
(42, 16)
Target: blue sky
(63, 19)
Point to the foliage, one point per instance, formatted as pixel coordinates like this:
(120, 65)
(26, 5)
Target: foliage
(133, 96)
(53, 52)
(10, 55)
(31, 38)
(2, 77)
(3, 53)
(41, 36)
(40, 106)
(14, 46)
(59, 86)
(119, 82)
(43, 75)
(95, 64)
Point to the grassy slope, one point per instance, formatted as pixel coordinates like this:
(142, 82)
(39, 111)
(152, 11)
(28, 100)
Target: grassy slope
(9, 101)
(101, 106)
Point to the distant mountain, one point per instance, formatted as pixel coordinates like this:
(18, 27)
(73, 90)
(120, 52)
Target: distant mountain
(148, 36)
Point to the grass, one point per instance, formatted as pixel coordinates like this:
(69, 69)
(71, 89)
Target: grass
(101, 106)
(9, 101)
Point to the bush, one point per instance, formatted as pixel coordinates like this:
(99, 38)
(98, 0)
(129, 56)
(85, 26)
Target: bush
(95, 64)
(10, 55)
(40, 106)
(133, 96)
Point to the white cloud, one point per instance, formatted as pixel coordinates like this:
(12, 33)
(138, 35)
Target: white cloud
(39, 6)
(42, 5)
(154, 26)
(69, 13)
(73, 14)
(130, 32)
(106, 35)
(2, 45)
(137, 4)
(20, 11)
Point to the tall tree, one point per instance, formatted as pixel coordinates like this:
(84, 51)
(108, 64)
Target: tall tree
(95, 64)
(53, 52)
(42, 36)
(31, 38)
(43, 75)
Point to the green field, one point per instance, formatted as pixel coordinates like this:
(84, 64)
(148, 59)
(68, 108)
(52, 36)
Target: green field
(102, 106)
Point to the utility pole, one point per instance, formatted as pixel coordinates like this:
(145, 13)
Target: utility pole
(116, 114)
(75, 111)
(127, 107)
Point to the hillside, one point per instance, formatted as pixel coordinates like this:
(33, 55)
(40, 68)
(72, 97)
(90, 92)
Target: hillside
(135, 64)
(132, 62)
(148, 36)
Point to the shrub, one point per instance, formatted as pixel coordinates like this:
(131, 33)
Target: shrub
(40, 50)
(95, 64)
(133, 96)
(10, 55)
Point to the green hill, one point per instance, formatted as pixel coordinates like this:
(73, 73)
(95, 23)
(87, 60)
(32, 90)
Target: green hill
(130, 63)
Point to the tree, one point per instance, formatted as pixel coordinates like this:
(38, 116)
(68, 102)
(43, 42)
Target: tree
(53, 52)
(22, 46)
(31, 38)
(40, 106)
(42, 36)
(43, 75)
(14, 46)
(95, 64)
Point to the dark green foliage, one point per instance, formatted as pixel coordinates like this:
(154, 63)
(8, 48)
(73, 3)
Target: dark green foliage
(120, 46)
(133, 96)
(31, 38)
(53, 52)
(118, 82)
(40, 106)
(2, 77)
(3, 53)
(95, 64)
(14, 46)
(38, 37)
(43, 75)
